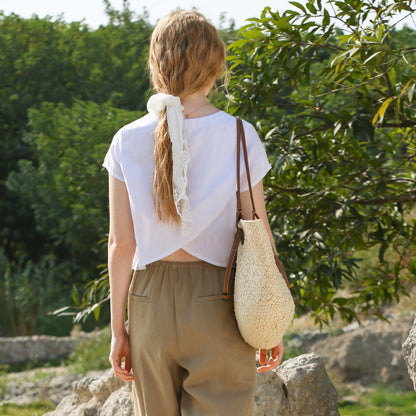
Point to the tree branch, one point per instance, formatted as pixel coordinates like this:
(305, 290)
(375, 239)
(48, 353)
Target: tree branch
(405, 123)
(382, 201)
(294, 191)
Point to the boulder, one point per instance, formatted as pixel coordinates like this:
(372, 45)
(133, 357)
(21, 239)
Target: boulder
(89, 395)
(409, 352)
(299, 387)
(368, 354)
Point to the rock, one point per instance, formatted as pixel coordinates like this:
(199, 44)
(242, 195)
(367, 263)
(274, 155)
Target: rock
(304, 341)
(119, 401)
(368, 354)
(350, 400)
(300, 387)
(269, 396)
(36, 348)
(409, 352)
(395, 373)
(91, 394)
(40, 347)
(52, 388)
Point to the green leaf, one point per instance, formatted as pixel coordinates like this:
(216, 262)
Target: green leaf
(298, 5)
(311, 7)
(382, 110)
(380, 32)
(284, 24)
(406, 86)
(327, 19)
(411, 92)
(96, 309)
(61, 311)
(392, 75)
(371, 57)
(75, 295)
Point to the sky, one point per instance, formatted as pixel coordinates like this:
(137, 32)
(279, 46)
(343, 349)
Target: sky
(93, 10)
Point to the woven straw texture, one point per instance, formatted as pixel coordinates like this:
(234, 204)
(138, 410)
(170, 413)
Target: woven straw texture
(263, 304)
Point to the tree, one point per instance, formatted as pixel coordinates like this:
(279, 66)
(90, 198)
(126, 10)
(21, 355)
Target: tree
(332, 92)
(57, 62)
(66, 188)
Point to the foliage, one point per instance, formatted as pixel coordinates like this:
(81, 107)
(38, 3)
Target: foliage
(66, 189)
(88, 300)
(59, 216)
(91, 355)
(53, 61)
(332, 91)
(28, 292)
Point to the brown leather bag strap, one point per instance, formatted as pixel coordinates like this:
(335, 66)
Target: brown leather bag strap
(239, 207)
(230, 271)
(241, 138)
(282, 270)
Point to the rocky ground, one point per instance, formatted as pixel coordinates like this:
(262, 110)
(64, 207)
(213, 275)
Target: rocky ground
(48, 384)
(299, 387)
(354, 356)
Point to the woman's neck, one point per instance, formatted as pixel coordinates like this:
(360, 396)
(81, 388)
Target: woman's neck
(196, 105)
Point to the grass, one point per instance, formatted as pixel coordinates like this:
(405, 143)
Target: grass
(383, 401)
(35, 409)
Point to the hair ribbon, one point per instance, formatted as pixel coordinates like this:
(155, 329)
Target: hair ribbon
(180, 153)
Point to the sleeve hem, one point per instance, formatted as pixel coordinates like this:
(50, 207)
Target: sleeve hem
(113, 174)
(256, 179)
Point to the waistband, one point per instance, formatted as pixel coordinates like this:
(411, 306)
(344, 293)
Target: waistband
(184, 265)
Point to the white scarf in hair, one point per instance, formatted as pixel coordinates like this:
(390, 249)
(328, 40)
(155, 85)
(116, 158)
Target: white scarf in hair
(180, 153)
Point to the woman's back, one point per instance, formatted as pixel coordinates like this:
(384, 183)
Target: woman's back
(211, 186)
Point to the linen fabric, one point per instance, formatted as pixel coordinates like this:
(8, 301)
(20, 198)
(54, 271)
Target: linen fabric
(188, 357)
(212, 184)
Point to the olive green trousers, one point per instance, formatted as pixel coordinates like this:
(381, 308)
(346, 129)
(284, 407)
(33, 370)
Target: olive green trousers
(188, 357)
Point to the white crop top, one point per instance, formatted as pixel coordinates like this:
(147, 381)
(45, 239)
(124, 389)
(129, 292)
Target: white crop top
(211, 188)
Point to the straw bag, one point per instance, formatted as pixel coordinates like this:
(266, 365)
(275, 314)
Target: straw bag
(263, 304)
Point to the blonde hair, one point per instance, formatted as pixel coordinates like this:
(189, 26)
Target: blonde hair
(186, 53)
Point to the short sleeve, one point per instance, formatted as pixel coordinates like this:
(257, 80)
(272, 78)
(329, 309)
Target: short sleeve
(257, 158)
(112, 160)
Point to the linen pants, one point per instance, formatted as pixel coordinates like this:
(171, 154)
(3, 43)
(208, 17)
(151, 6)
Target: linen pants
(188, 357)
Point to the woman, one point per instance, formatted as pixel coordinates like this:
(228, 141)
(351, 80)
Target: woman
(172, 219)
